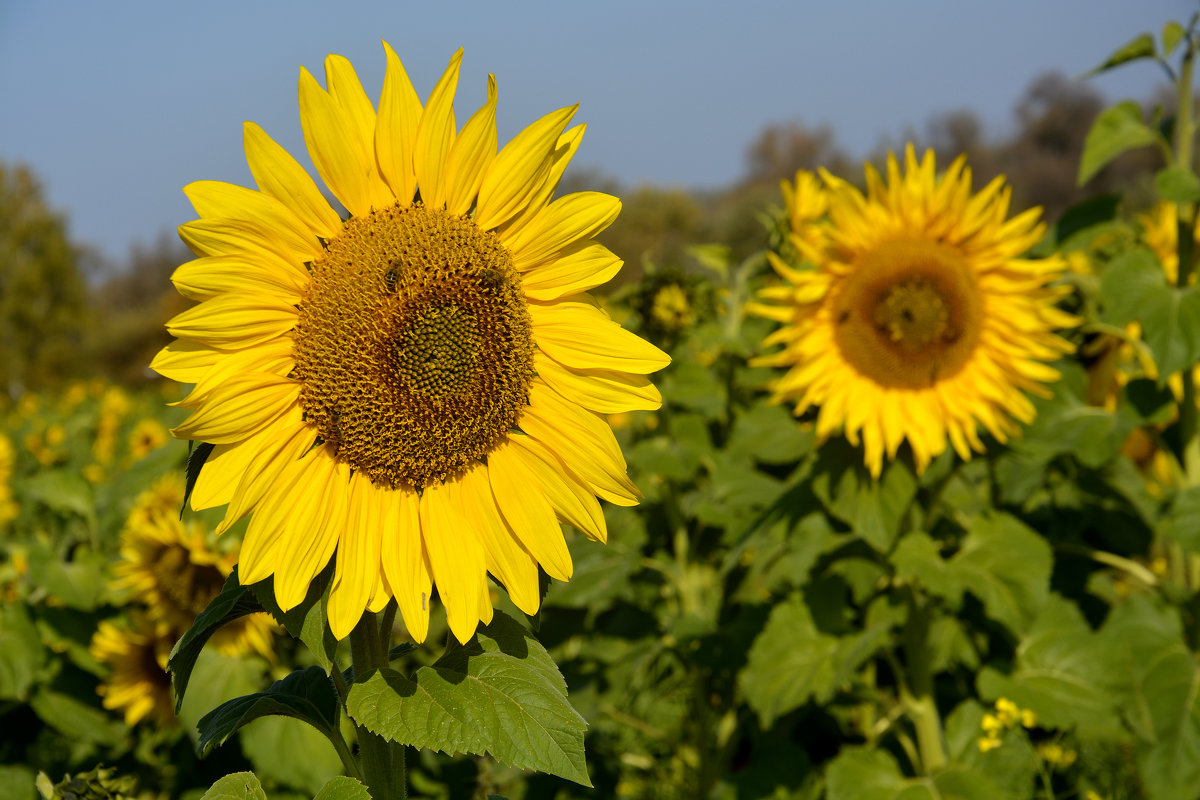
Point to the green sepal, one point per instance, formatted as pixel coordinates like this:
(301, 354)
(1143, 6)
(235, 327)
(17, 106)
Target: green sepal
(233, 602)
(198, 453)
(306, 695)
(499, 694)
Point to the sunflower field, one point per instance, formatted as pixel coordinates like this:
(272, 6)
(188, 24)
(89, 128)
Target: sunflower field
(428, 500)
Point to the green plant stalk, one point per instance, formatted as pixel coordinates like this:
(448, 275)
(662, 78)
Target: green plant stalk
(383, 762)
(922, 709)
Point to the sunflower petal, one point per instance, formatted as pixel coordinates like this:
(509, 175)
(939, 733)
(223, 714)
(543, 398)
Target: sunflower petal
(518, 171)
(471, 154)
(405, 564)
(581, 336)
(396, 129)
(331, 138)
(240, 408)
(278, 174)
(435, 134)
(456, 560)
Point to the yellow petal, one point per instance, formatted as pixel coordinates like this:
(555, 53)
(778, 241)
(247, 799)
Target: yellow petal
(288, 440)
(240, 408)
(455, 559)
(205, 278)
(519, 170)
(435, 133)
(576, 270)
(574, 502)
(574, 218)
(346, 89)
(358, 556)
(241, 238)
(564, 150)
(234, 321)
(581, 336)
(312, 530)
(258, 556)
(330, 135)
(226, 465)
(185, 361)
(278, 174)
(404, 561)
(600, 390)
(471, 154)
(396, 129)
(527, 511)
(506, 558)
(216, 200)
(274, 357)
(582, 441)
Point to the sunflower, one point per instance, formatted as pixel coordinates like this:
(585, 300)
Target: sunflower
(139, 685)
(8, 463)
(417, 387)
(919, 320)
(169, 566)
(147, 436)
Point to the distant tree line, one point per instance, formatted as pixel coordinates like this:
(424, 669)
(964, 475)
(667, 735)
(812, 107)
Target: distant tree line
(66, 313)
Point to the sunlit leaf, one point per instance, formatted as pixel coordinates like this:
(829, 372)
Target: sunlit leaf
(1007, 566)
(1115, 130)
(238, 786)
(1140, 46)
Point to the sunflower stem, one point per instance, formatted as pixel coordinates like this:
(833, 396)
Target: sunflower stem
(922, 709)
(383, 761)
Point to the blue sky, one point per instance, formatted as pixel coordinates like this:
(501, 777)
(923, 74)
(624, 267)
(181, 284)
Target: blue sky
(118, 105)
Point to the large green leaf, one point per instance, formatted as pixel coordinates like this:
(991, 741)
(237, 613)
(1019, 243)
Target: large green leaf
(272, 744)
(501, 693)
(1165, 685)
(769, 434)
(1007, 566)
(17, 783)
(64, 491)
(1178, 184)
(859, 773)
(306, 695)
(78, 583)
(76, 719)
(1064, 671)
(789, 663)
(918, 558)
(238, 786)
(343, 788)
(21, 652)
(233, 602)
(1182, 520)
(874, 509)
(1115, 130)
(1135, 287)
(216, 679)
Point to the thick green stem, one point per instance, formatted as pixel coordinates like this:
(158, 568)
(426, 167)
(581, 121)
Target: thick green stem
(1186, 225)
(922, 709)
(383, 762)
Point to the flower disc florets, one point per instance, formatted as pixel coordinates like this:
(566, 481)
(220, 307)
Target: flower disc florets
(414, 345)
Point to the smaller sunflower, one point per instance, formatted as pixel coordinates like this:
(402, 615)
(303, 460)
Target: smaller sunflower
(917, 319)
(139, 685)
(147, 436)
(172, 569)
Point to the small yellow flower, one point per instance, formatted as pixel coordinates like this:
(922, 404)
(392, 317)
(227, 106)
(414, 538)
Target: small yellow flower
(1008, 712)
(1028, 718)
(1056, 755)
(991, 724)
(671, 308)
(147, 436)
(989, 743)
(94, 473)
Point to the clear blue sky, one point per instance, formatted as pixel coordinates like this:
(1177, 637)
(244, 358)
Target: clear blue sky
(116, 105)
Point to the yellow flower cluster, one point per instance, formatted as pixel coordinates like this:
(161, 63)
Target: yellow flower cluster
(114, 405)
(1056, 755)
(1007, 716)
(8, 458)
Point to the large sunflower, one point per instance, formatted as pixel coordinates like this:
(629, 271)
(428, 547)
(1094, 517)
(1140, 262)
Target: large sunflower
(416, 387)
(918, 319)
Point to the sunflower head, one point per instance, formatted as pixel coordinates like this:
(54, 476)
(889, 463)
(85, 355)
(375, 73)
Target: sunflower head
(917, 319)
(418, 387)
(138, 685)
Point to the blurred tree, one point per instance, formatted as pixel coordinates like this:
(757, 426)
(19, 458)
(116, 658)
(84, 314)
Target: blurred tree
(783, 148)
(656, 226)
(43, 298)
(136, 302)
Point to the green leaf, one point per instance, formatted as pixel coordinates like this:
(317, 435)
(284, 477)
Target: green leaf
(874, 509)
(1135, 287)
(21, 652)
(1178, 184)
(1165, 685)
(789, 663)
(1172, 34)
(1007, 566)
(768, 434)
(17, 783)
(501, 693)
(233, 602)
(63, 491)
(862, 774)
(1140, 46)
(917, 557)
(1012, 766)
(1064, 672)
(306, 695)
(343, 788)
(1182, 521)
(76, 719)
(272, 745)
(216, 679)
(1115, 130)
(78, 583)
(238, 786)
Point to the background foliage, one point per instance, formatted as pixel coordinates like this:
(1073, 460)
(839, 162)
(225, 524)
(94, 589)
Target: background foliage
(771, 622)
